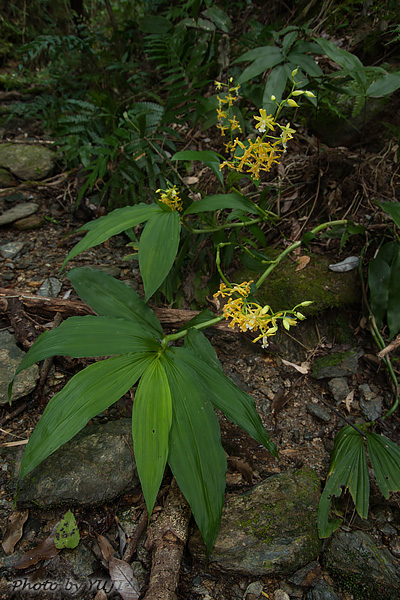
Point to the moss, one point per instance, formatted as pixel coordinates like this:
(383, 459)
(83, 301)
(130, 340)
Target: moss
(286, 287)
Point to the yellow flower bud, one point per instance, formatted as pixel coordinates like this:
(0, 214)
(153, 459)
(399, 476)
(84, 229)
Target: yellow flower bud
(273, 98)
(309, 94)
(294, 72)
(292, 102)
(298, 93)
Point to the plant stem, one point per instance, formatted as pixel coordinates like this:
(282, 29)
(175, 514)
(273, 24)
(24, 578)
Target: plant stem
(220, 227)
(180, 334)
(293, 246)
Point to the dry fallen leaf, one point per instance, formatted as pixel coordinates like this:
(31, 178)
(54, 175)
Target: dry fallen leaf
(302, 262)
(124, 579)
(348, 400)
(101, 595)
(14, 529)
(243, 467)
(304, 368)
(106, 548)
(42, 551)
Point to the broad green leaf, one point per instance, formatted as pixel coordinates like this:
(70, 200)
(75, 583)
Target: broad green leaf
(385, 460)
(112, 298)
(219, 17)
(238, 406)
(393, 208)
(260, 65)
(289, 40)
(393, 306)
(197, 342)
(385, 85)
(89, 336)
(196, 456)
(276, 84)
(105, 227)
(208, 157)
(199, 155)
(158, 248)
(67, 533)
(151, 423)
(222, 201)
(305, 62)
(87, 394)
(154, 24)
(348, 469)
(273, 52)
(343, 58)
(378, 281)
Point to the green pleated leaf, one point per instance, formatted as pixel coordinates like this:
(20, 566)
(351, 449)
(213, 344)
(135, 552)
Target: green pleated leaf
(385, 460)
(387, 84)
(158, 248)
(348, 469)
(112, 224)
(238, 406)
(221, 201)
(345, 59)
(271, 57)
(196, 456)
(89, 336)
(199, 155)
(378, 281)
(273, 52)
(112, 298)
(197, 342)
(393, 208)
(393, 305)
(276, 85)
(151, 423)
(88, 393)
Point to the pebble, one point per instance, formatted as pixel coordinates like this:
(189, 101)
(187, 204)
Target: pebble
(50, 288)
(18, 212)
(339, 389)
(281, 595)
(370, 403)
(319, 412)
(11, 249)
(28, 223)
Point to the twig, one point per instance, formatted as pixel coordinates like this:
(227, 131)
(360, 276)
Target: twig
(392, 346)
(134, 540)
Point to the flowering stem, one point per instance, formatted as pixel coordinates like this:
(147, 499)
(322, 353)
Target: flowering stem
(220, 227)
(180, 334)
(218, 261)
(292, 247)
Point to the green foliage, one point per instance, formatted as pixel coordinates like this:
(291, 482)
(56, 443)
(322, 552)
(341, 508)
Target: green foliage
(384, 286)
(67, 534)
(173, 416)
(349, 469)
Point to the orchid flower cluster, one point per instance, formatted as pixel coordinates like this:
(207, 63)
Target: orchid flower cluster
(255, 155)
(248, 315)
(170, 197)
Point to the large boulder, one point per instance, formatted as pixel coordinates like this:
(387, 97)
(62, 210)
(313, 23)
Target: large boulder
(27, 161)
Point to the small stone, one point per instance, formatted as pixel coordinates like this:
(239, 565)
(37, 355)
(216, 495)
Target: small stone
(10, 357)
(281, 595)
(18, 212)
(370, 403)
(11, 249)
(318, 412)
(50, 288)
(253, 591)
(339, 389)
(322, 591)
(8, 276)
(339, 364)
(395, 548)
(28, 223)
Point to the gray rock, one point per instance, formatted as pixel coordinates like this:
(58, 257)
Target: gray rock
(322, 591)
(338, 364)
(18, 212)
(11, 249)
(319, 412)
(339, 389)
(97, 465)
(10, 357)
(269, 529)
(50, 288)
(366, 569)
(253, 590)
(81, 560)
(28, 223)
(281, 595)
(6, 179)
(27, 161)
(370, 403)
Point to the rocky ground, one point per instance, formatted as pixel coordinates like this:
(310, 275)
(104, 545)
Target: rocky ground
(268, 545)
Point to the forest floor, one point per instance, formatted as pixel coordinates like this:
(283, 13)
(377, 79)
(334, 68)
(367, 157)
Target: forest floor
(344, 182)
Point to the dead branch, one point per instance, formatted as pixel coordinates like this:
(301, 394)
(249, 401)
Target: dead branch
(392, 346)
(170, 317)
(166, 539)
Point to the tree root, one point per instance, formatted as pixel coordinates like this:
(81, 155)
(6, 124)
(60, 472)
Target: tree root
(166, 539)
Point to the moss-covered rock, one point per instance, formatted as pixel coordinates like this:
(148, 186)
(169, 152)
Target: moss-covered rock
(27, 161)
(286, 287)
(269, 529)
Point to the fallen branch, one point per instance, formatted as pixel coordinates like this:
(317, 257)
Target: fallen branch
(48, 307)
(166, 540)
